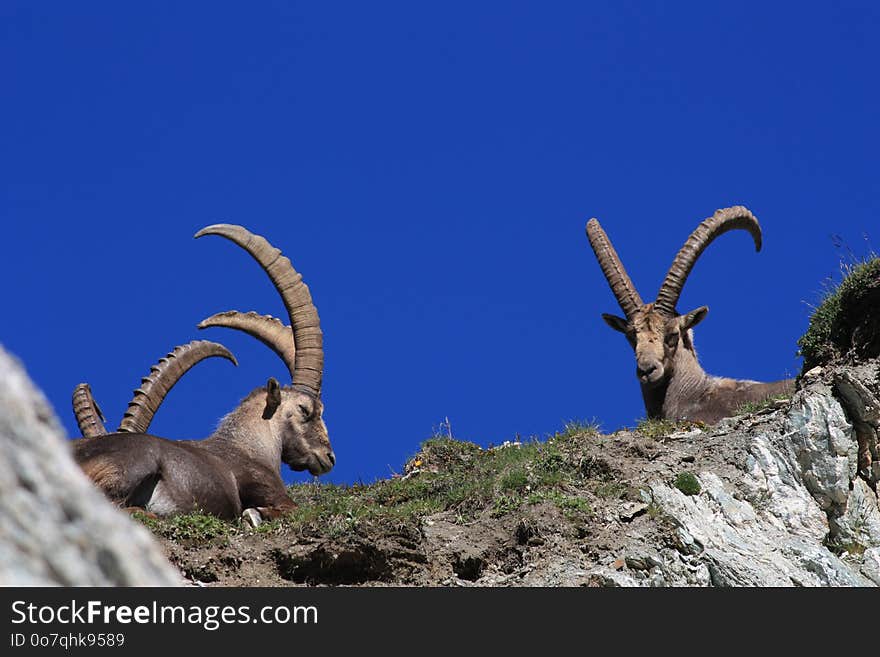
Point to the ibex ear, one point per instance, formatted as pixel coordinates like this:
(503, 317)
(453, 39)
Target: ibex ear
(615, 322)
(273, 398)
(693, 318)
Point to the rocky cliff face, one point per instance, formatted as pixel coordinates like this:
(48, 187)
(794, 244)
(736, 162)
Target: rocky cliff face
(790, 499)
(55, 528)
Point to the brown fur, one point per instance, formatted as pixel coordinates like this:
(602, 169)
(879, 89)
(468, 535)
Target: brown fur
(103, 471)
(674, 384)
(236, 468)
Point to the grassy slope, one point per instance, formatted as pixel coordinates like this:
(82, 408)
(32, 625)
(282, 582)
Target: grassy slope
(445, 476)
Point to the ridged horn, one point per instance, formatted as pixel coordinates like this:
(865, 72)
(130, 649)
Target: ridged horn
(612, 267)
(87, 412)
(163, 375)
(733, 218)
(269, 330)
(308, 339)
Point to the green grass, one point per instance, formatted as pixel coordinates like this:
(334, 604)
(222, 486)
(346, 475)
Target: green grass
(757, 406)
(446, 475)
(572, 506)
(455, 476)
(515, 480)
(611, 490)
(577, 428)
(823, 341)
(195, 526)
(687, 483)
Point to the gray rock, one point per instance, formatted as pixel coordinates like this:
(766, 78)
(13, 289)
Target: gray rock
(821, 441)
(770, 521)
(871, 565)
(859, 524)
(55, 527)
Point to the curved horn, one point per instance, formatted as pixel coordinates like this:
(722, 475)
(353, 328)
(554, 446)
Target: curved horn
(87, 412)
(736, 217)
(269, 330)
(309, 357)
(163, 375)
(612, 267)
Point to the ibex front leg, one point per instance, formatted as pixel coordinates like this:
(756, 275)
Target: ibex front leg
(264, 501)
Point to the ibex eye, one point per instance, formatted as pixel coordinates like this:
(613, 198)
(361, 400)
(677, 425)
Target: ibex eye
(305, 410)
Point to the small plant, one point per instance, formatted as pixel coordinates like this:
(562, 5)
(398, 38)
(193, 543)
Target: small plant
(687, 483)
(194, 526)
(569, 504)
(654, 511)
(514, 480)
(756, 407)
(505, 503)
(611, 490)
(573, 428)
(840, 546)
(572, 503)
(269, 526)
(760, 500)
(148, 521)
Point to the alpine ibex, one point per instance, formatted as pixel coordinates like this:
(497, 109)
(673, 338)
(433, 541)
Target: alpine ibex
(147, 399)
(237, 468)
(674, 385)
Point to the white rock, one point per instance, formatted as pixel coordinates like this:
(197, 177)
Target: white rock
(55, 527)
(871, 565)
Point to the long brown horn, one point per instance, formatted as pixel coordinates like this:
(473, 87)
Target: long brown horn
(309, 358)
(736, 217)
(163, 375)
(612, 267)
(269, 330)
(87, 412)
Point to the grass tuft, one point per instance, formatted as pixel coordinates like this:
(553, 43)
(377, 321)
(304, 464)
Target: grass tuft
(194, 526)
(687, 483)
(755, 407)
(827, 337)
(578, 428)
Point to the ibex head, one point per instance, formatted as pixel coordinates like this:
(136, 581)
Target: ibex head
(297, 417)
(293, 413)
(656, 331)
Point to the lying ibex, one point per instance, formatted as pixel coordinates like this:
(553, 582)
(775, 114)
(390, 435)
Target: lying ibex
(674, 385)
(237, 468)
(147, 399)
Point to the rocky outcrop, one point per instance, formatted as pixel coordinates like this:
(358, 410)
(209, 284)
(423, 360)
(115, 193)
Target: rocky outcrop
(800, 509)
(55, 528)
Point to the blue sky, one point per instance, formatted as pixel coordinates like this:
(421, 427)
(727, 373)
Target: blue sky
(429, 169)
